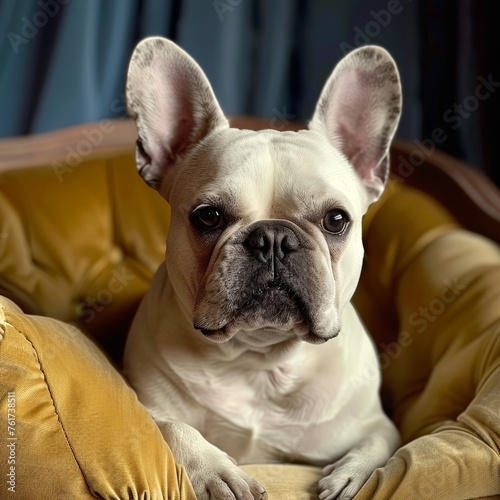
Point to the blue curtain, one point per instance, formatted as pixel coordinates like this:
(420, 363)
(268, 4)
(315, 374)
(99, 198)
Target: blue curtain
(63, 62)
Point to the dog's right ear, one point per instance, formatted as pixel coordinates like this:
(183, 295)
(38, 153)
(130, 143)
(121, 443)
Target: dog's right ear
(172, 103)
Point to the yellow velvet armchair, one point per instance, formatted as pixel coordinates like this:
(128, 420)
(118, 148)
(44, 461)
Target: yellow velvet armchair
(80, 238)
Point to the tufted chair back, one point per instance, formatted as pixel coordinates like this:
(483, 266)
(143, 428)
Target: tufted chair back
(81, 244)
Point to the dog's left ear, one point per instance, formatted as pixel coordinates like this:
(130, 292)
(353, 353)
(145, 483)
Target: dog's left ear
(172, 103)
(359, 109)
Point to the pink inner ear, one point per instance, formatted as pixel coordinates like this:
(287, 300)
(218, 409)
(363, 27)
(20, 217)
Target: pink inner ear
(174, 120)
(171, 132)
(353, 124)
(348, 112)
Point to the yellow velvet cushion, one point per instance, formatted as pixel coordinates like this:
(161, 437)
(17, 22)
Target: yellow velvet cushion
(74, 428)
(286, 481)
(443, 376)
(430, 295)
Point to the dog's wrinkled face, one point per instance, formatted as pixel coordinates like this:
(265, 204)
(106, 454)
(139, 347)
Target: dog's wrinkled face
(265, 238)
(266, 241)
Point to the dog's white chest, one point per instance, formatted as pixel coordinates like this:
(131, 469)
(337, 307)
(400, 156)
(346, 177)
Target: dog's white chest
(292, 412)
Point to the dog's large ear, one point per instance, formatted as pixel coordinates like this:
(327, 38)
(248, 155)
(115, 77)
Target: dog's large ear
(172, 103)
(359, 109)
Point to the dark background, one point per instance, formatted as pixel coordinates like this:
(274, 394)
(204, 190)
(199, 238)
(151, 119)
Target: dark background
(63, 62)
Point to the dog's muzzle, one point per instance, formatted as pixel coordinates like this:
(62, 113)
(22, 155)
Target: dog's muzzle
(269, 281)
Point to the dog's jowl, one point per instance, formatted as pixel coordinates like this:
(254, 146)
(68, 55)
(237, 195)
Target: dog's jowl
(246, 346)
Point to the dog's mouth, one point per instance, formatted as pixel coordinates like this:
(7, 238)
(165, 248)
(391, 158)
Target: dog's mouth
(275, 309)
(276, 302)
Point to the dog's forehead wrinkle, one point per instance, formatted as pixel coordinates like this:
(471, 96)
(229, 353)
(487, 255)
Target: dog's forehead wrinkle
(291, 168)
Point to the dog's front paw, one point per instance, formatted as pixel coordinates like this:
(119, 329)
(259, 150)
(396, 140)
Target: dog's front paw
(343, 479)
(216, 476)
(213, 474)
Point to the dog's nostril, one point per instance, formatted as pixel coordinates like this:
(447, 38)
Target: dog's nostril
(289, 243)
(258, 243)
(261, 242)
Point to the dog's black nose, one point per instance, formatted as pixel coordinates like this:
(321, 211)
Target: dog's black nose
(271, 241)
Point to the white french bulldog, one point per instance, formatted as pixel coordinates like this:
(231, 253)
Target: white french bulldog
(229, 347)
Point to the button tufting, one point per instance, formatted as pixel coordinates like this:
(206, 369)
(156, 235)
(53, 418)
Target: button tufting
(116, 254)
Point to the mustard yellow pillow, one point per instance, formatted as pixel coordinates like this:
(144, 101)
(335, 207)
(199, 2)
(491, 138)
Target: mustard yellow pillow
(69, 424)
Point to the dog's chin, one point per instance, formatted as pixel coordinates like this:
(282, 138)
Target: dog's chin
(252, 335)
(265, 335)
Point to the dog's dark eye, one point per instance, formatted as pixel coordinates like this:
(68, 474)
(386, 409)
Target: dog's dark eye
(207, 217)
(335, 222)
